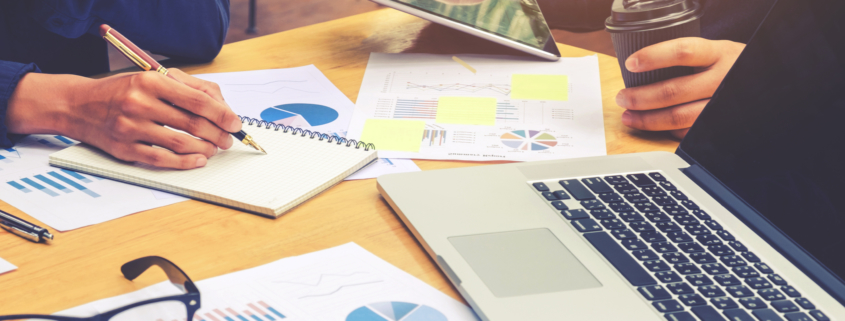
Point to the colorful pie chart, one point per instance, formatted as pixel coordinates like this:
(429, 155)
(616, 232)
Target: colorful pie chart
(395, 311)
(528, 140)
(299, 115)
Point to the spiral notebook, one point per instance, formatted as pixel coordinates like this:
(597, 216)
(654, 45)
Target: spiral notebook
(299, 165)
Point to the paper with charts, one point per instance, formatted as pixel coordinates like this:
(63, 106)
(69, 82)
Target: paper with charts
(300, 97)
(341, 283)
(63, 199)
(427, 106)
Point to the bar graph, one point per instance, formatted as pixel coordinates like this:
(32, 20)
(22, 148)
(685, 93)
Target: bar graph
(434, 137)
(75, 184)
(252, 311)
(39, 187)
(415, 109)
(19, 187)
(54, 184)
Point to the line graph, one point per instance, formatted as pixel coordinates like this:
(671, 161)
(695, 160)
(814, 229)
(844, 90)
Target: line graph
(503, 89)
(339, 288)
(320, 279)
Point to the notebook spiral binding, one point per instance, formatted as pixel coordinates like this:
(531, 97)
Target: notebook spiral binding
(304, 132)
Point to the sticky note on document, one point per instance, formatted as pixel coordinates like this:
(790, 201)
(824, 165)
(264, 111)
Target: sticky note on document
(540, 87)
(392, 134)
(466, 110)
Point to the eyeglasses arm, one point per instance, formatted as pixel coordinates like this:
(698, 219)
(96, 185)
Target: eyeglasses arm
(135, 268)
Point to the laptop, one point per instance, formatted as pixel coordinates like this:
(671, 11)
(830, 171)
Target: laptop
(518, 24)
(745, 221)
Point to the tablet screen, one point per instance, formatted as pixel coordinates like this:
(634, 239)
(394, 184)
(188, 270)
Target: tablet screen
(517, 20)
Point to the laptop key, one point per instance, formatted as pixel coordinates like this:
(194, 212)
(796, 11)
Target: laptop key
(680, 288)
(612, 224)
(675, 258)
(763, 268)
(645, 255)
(626, 189)
(699, 280)
(690, 247)
(592, 204)
(797, 316)
(549, 196)
(646, 207)
(656, 266)
(739, 291)
(574, 214)
(620, 259)
(675, 210)
(702, 258)
(610, 197)
(737, 246)
(640, 180)
(667, 306)
(635, 197)
(663, 200)
(720, 250)
(634, 244)
(679, 237)
(578, 191)
(711, 291)
(751, 257)
(701, 215)
(738, 315)
(724, 303)
(586, 225)
(687, 268)
(692, 299)
(679, 316)
(714, 268)
(668, 277)
(678, 195)
(708, 239)
(667, 186)
(726, 280)
(753, 303)
(559, 205)
(620, 206)
(732, 260)
(790, 291)
(652, 236)
(615, 179)
(657, 176)
(771, 294)
(641, 226)
(819, 316)
(666, 227)
(713, 225)
(745, 272)
(766, 315)
(602, 214)
(690, 205)
(624, 234)
(785, 306)
(758, 283)
(653, 191)
(630, 216)
(804, 303)
(697, 229)
(707, 313)
(540, 187)
(654, 292)
(657, 217)
(726, 236)
(561, 195)
(777, 280)
(686, 219)
(597, 185)
(664, 247)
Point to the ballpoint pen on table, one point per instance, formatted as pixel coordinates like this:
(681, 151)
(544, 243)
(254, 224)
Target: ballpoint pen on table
(24, 229)
(145, 62)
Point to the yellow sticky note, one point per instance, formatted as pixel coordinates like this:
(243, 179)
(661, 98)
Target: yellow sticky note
(466, 110)
(540, 87)
(391, 134)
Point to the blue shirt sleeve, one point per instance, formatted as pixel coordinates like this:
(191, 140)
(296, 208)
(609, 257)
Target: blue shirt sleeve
(192, 30)
(10, 74)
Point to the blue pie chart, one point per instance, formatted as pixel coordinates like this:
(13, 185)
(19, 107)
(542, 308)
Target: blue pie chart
(315, 115)
(395, 311)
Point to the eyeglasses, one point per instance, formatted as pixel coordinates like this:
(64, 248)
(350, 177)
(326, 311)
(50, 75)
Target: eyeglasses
(175, 307)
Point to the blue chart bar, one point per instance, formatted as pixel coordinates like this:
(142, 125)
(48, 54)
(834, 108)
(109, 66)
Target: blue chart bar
(64, 140)
(52, 183)
(276, 312)
(74, 184)
(407, 108)
(11, 150)
(388, 161)
(506, 111)
(19, 186)
(39, 187)
(76, 175)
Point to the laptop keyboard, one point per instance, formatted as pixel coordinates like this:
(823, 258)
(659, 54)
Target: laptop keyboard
(673, 252)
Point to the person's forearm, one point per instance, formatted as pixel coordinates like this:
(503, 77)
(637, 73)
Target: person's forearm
(576, 15)
(41, 104)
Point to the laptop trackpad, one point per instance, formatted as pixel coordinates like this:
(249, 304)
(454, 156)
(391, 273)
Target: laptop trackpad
(523, 262)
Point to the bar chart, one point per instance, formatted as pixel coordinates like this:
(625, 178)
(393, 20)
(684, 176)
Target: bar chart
(55, 183)
(250, 311)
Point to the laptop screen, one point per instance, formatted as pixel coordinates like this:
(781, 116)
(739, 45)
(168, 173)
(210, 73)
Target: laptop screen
(774, 133)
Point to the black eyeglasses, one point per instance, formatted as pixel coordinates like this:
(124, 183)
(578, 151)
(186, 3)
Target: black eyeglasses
(175, 307)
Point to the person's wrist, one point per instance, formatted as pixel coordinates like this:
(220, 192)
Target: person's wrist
(43, 104)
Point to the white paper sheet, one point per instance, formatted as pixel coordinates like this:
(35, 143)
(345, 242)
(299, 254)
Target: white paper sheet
(67, 200)
(341, 283)
(385, 166)
(299, 97)
(5, 266)
(409, 86)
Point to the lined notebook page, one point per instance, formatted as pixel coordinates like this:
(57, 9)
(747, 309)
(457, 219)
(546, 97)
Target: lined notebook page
(295, 169)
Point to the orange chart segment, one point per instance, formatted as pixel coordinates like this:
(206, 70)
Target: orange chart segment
(534, 141)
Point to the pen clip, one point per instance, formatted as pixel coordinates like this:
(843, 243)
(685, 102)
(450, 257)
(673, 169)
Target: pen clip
(24, 234)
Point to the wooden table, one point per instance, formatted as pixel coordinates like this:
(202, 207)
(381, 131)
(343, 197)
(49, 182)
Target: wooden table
(208, 240)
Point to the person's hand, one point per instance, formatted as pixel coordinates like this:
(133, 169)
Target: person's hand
(124, 115)
(673, 105)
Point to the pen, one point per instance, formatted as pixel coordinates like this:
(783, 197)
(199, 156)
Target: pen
(24, 229)
(145, 62)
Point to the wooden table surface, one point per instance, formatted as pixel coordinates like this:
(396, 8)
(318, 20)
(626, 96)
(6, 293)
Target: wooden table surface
(207, 240)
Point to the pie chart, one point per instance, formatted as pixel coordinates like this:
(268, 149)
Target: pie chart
(299, 115)
(395, 311)
(528, 140)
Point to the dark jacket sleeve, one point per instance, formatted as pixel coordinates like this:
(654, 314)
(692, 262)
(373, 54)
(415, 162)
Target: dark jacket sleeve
(576, 15)
(192, 30)
(10, 74)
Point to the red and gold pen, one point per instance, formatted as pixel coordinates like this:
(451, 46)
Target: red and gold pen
(147, 63)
